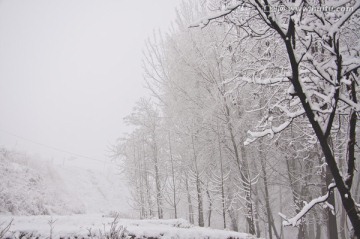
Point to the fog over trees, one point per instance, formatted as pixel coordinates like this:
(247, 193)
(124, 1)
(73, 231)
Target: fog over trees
(252, 121)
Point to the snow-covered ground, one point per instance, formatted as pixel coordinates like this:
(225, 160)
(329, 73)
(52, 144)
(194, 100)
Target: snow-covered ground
(31, 186)
(81, 225)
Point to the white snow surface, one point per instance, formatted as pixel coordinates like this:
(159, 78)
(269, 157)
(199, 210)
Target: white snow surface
(79, 225)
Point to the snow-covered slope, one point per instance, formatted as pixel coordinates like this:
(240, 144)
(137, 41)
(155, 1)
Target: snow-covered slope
(78, 226)
(33, 186)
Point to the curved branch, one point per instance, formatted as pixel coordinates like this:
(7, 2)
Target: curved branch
(308, 206)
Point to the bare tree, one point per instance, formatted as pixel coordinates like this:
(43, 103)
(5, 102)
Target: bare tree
(322, 86)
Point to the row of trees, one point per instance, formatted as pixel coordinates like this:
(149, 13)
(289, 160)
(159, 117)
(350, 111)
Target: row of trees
(254, 112)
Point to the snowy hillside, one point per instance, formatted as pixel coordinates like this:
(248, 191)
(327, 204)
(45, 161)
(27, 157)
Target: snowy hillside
(30, 185)
(94, 226)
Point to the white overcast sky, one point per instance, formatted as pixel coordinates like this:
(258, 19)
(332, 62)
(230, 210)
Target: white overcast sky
(70, 70)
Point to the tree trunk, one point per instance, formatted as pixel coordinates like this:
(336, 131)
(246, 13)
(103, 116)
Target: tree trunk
(200, 202)
(281, 227)
(141, 184)
(311, 227)
(148, 194)
(198, 188)
(272, 224)
(173, 177)
(243, 169)
(233, 219)
(343, 224)
(295, 192)
(247, 179)
(267, 202)
(222, 179)
(345, 194)
(158, 186)
(256, 216)
(210, 207)
(147, 184)
(317, 226)
(190, 207)
(331, 223)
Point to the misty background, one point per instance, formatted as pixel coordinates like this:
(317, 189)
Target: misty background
(245, 130)
(71, 70)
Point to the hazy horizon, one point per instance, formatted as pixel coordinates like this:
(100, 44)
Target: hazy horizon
(71, 70)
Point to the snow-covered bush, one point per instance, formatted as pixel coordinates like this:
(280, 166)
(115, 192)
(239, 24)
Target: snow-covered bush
(116, 231)
(30, 188)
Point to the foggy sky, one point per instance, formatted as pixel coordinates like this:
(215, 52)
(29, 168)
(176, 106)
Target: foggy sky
(70, 70)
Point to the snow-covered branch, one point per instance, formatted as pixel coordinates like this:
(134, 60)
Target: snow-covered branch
(355, 106)
(294, 221)
(271, 131)
(204, 21)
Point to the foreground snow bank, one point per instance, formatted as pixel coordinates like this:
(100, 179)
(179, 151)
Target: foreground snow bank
(97, 226)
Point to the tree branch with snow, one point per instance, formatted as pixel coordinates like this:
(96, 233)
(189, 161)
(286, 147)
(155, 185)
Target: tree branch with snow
(294, 221)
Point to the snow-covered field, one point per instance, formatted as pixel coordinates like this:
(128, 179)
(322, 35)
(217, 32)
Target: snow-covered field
(86, 192)
(81, 226)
